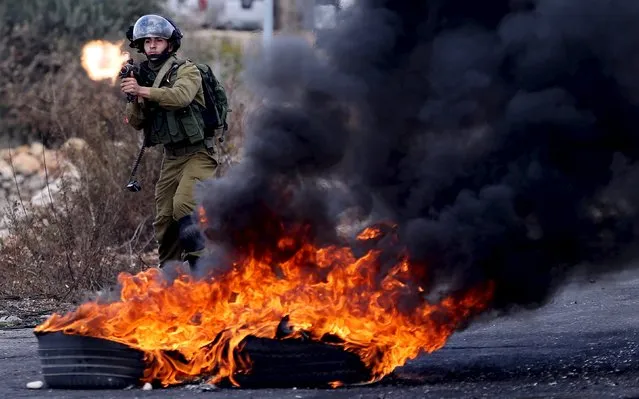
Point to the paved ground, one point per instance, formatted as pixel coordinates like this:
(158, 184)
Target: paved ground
(584, 344)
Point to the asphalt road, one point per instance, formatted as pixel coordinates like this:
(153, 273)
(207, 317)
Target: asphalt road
(584, 344)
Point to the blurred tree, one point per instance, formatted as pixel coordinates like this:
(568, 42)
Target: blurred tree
(37, 28)
(41, 38)
(81, 19)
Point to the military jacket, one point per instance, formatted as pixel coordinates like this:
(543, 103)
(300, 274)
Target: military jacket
(171, 114)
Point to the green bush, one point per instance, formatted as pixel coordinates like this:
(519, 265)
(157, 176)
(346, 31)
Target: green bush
(29, 22)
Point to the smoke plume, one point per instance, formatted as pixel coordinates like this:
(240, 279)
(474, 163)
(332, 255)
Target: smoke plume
(500, 138)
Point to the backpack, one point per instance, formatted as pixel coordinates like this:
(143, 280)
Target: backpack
(216, 102)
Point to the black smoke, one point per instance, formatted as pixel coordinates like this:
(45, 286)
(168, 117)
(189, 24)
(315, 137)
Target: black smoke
(500, 136)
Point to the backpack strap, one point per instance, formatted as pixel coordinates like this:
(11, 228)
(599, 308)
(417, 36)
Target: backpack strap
(176, 65)
(167, 70)
(160, 76)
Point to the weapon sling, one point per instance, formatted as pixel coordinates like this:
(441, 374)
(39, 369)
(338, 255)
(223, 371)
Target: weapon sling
(133, 185)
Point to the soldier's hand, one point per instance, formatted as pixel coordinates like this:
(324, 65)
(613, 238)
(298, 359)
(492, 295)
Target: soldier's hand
(130, 85)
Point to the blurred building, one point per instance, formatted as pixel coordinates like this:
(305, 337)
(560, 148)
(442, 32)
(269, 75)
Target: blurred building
(290, 15)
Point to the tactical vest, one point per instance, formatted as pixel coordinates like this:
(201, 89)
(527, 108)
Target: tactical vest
(183, 126)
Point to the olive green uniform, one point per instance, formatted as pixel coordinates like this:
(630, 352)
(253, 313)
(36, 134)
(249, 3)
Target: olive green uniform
(170, 117)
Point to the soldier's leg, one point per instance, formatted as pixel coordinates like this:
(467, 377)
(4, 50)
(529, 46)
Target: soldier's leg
(200, 166)
(165, 226)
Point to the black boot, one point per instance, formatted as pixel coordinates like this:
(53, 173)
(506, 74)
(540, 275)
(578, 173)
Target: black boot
(191, 239)
(191, 260)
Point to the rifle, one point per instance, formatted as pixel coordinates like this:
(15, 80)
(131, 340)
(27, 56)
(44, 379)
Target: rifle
(128, 68)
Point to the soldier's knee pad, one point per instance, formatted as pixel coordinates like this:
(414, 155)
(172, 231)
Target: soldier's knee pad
(190, 237)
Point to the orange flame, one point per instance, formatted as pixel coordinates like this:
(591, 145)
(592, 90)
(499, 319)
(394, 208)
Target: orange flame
(207, 320)
(103, 60)
(202, 219)
(370, 233)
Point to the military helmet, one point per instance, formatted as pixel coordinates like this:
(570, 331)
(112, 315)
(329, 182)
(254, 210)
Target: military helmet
(152, 25)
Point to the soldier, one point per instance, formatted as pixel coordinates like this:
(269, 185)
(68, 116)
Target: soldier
(169, 97)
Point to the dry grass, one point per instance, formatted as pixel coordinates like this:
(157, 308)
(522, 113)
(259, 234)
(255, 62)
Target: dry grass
(92, 228)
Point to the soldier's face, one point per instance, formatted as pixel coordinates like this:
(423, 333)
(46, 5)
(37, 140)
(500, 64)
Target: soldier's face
(155, 45)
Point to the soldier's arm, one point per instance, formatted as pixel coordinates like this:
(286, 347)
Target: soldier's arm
(187, 84)
(134, 115)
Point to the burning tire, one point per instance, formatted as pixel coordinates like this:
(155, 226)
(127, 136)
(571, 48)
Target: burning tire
(79, 362)
(299, 363)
